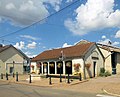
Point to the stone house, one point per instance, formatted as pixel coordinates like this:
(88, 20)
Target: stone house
(12, 60)
(84, 58)
(111, 57)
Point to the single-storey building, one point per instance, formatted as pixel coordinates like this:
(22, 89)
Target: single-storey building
(111, 57)
(12, 60)
(84, 58)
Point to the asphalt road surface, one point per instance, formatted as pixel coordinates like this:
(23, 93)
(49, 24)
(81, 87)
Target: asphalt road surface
(17, 90)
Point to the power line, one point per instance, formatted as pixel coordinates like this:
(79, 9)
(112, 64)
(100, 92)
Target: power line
(40, 20)
(51, 24)
(7, 41)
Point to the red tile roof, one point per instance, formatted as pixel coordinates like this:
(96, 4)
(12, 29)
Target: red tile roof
(69, 52)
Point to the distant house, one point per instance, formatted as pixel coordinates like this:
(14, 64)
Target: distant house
(84, 58)
(112, 58)
(12, 60)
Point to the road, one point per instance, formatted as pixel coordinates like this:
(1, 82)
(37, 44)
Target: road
(17, 90)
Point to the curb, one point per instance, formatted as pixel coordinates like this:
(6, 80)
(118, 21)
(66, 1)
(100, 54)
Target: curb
(27, 84)
(79, 82)
(30, 84)
(110, 93)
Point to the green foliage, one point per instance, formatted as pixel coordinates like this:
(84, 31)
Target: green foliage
(107, 73)
(101, 74)
(102, 70)
(104, 73)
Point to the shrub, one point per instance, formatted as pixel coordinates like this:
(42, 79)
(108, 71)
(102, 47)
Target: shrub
(107, 73)
(104, 73)
(102, 70)
(101, 74)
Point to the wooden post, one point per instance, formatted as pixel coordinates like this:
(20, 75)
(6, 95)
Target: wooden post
(68, 78)
(50, 83)
(17, 76)
(13, 75)
(30, 81)
(6, 76)
(80, 77)
(1, 76)
(60, 74)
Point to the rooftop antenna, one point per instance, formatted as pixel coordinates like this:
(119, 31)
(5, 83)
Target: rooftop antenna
(109, 42)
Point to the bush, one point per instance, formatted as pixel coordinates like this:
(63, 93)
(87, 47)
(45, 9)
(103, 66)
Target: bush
(101, 74)
(102, 70)
(104, 73)
(107, 73)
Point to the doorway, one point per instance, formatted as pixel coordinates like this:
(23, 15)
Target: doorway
(59, 67)
(52, 67)
(68, 67)
(11, 70)
(114, 62)
(94, 69)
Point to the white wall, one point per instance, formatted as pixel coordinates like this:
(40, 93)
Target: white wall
(118, 63)
(2, 67)
(107, 55)
(80, 61)
(94, 52)
(8, 56)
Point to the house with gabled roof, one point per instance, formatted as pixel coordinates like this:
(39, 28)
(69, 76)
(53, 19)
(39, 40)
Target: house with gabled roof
(12, 60)
(84, 58)
(111, 57)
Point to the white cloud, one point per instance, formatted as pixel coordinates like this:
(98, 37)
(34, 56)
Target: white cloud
(106, 41)
(44, 47)
(20, 45)
(29, 54)
(26, 12)
(117, 34)
(66, 45)
(32, 45)
(28, 37)
(103, 37)
(69, 1)
(54, 3)
(10, 6)
(115, 43)
(94, 15)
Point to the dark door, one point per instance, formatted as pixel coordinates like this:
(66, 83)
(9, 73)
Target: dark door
(52, 69)
(114, 62)
(11, 70)
(68, 67)
(60, 68)
(41, 69)
(94, 67)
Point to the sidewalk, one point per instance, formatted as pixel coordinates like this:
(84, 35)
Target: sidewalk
(95, 85)
(113, 86)
(43, 82)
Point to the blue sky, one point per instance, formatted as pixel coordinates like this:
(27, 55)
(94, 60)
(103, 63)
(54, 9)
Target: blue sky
(92, 20)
